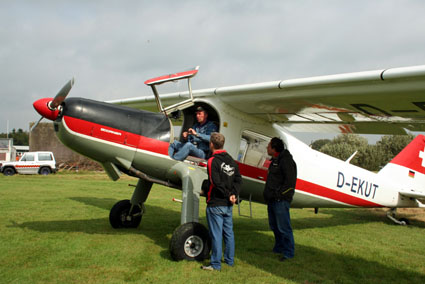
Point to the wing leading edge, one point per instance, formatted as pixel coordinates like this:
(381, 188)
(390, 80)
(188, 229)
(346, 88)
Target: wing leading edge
(387, 101)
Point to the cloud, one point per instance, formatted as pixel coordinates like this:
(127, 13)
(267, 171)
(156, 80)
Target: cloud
(113, 47)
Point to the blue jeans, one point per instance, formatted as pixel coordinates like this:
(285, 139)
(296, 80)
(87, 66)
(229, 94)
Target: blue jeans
(179, 151)
(280, 224)
(220, 223)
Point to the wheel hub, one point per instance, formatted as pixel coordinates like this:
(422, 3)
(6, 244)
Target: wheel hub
(193, 246)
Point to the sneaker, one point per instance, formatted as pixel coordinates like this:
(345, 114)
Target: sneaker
(283, 258)
(209, 268)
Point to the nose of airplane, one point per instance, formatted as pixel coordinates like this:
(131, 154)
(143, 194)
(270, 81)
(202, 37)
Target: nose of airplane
(48, 107)
(42, 106)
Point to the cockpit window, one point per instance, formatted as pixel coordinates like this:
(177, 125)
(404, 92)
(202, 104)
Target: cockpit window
(253, 150)
(189, 118)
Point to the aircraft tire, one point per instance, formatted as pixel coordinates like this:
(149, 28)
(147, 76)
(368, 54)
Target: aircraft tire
(119, 216)
(9, 171)
(190, 241)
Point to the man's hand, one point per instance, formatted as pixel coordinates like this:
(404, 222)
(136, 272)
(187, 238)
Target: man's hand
(185, 135)
(192, 131)
(232, 199)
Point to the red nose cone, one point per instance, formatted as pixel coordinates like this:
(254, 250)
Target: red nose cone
(42, 108)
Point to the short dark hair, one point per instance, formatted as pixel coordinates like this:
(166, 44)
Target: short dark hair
(277, 144)
(199, 108)
(217, 139)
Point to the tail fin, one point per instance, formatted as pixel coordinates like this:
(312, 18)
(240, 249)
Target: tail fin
(412, 156)
(408, 169)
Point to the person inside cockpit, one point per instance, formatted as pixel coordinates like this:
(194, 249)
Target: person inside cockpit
(196, 138)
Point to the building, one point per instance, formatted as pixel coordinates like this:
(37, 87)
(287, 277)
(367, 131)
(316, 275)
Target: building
(7, 151)
(43, 138)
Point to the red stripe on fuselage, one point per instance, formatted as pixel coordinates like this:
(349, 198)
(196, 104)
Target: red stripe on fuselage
(118, 136)
(326, 192)
(140, 142)
(309, 187)
(252, 172)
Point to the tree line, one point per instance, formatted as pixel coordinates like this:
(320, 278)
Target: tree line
(19, 136)
(370, 157)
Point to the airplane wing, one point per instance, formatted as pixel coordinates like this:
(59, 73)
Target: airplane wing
(388, 101)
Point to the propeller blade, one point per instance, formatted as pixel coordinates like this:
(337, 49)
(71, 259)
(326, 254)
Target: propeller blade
(60, 97)
(35, 125)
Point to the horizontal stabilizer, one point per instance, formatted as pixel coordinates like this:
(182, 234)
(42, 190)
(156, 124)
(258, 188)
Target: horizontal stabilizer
(419, 196)
(413, 194)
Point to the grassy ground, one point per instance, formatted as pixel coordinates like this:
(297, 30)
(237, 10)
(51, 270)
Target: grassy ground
(55, 229)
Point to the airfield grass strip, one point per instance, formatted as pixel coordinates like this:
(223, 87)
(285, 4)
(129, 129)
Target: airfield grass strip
(55, 229)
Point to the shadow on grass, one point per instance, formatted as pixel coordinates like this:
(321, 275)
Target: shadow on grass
(313, 265)
(366, 215)
(157, 224)
(169, 220)
(102, 203)
(310, 265)
(328, 218)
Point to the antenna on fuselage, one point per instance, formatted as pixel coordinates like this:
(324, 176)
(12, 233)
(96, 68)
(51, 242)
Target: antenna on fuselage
(188, 74)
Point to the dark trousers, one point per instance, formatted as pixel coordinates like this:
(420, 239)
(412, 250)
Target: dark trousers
(280, 224)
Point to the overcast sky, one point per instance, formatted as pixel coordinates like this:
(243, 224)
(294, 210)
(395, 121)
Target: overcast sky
(112, 47)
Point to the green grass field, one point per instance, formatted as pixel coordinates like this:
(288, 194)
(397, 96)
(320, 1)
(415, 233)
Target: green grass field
(55, 229)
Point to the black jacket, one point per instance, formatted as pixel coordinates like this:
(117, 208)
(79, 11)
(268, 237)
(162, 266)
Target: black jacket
(224, 179)
(281, 178)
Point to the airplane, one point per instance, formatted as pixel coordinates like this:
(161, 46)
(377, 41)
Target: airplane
(131, 136)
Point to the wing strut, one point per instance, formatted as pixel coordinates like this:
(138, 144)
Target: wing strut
(188, 74)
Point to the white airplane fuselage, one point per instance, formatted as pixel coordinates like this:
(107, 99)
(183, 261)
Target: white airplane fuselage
(323, 181)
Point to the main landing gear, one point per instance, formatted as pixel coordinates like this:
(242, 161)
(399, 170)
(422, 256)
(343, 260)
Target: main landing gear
(190, 241)
(391, 214)
(125, 215)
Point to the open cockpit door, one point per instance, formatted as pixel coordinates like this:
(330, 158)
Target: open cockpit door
(188, 74)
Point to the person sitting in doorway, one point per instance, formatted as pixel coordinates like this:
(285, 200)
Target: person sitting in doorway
(197, 138)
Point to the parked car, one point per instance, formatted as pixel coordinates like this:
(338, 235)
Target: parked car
(42, 163)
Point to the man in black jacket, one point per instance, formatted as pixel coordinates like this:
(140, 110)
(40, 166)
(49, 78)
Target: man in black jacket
(224, 183)
(278, 193)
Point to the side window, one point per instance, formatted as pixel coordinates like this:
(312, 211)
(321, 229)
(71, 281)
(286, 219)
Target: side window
(253, 149)
(28, 158)
(44, 157)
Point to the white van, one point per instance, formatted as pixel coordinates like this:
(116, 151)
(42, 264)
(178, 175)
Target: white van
(42, 163)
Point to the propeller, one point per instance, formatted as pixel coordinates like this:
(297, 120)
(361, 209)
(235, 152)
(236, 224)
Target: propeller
(60, 97)
(49, 107)
(35, 125)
